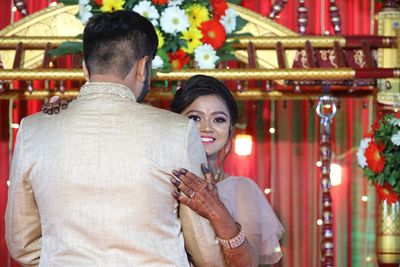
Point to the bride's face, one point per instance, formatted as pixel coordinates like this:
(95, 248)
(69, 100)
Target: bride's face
(213, 121)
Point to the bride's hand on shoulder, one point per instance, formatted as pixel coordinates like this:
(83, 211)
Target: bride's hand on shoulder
(54, 105)
(202, 197)
(198, 194)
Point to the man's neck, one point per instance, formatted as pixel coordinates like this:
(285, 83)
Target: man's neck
(100, 78)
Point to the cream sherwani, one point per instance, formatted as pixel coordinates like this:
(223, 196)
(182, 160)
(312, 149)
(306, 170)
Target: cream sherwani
(91, 186)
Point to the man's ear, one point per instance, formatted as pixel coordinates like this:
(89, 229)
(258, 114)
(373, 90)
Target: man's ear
(141, 69)
(85, 71)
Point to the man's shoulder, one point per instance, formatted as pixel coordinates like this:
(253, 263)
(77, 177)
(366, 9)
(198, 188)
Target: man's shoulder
(164, 117)
(36, 119)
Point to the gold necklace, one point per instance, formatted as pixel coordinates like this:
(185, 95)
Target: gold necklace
(217, 176)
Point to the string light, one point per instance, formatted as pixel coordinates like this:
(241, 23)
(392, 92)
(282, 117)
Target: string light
(272, 130)
(368, 259)
(318, 163)
(243, 144)
(364, 198)
(14, 125)
(267, 191)
(8, 182)
(319, 222)
(14, 9)
(336, 174)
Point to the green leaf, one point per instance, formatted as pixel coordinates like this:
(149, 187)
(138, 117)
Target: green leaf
(69, 2)
(163, 55)
(227, 57)
(236, 2)
(244, 34)
(240, 23)
(67, 48)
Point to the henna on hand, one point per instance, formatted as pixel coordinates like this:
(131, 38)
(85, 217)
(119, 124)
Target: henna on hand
(55, 105)
(202, 197)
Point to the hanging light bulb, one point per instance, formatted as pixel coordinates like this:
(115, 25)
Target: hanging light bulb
(243, 144)
(336, 174)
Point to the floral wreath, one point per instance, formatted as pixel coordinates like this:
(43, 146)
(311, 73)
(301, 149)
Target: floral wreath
(379, 157)
(191, 34)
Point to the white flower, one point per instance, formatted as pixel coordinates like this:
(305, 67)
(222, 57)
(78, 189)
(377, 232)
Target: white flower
(362, 160)
(174, 20)
(85, 11)
(175, 2)
(205, 56)
(157, 62)
(396, 139)
(229, 20)
(147, 10)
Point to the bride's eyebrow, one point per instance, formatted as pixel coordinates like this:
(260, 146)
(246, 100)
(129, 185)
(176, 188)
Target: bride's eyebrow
(220, 113)
(194, 111)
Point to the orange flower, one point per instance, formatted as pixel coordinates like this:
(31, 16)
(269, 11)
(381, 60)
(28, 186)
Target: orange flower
(219, 7)
(159, 2)
(178, 59)
(374, 156)
(213, 33)
(386, 192)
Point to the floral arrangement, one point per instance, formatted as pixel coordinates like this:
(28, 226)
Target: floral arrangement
(190, 33)
(379, 157)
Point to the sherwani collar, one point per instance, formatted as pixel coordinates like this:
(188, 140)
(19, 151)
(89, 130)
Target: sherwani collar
(91, 88)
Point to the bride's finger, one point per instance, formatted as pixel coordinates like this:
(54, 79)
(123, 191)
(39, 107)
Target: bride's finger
(208, 175)
(54, 99)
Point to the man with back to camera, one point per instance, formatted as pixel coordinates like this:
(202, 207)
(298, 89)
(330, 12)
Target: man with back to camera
(91, 186)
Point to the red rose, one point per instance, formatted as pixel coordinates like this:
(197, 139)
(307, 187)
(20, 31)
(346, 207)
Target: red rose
(219, 7)
(159, 2)
(386, 192)
(178, 59)
(99, 2)
(213, 33)
(374, 156)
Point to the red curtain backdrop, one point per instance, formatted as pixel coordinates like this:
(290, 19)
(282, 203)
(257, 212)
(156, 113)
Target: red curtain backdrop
(283, 162)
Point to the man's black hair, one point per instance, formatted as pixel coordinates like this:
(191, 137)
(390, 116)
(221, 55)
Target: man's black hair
(113, 42)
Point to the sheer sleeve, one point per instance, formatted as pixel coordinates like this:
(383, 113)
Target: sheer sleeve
(249, 207)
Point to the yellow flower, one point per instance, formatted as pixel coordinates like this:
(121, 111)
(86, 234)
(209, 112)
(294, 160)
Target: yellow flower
(160, 39)
(192, 37)
(112, 5)
(197, 14)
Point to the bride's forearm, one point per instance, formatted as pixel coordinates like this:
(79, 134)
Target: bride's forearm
(243, 256)
(227, 229)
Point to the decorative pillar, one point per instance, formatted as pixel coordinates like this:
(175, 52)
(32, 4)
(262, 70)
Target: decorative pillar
(389, 25)
(335, 16)
(21, 7)
(277, 8)
(302, 17)
(326, 109)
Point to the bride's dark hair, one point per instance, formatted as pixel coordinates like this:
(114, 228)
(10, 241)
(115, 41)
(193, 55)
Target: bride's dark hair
(202, 85)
